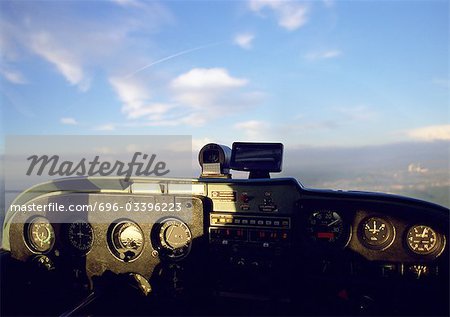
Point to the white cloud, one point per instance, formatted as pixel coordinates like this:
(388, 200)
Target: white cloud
(136, 99)
(14, 76)
(65, 61)
(68, 121)
(431, 133)
(106, 127)
(254, 130)
(193, 98)
(290, 15)
(131, 92)
(206, 92)
(244, 40)
(323, 55)
(207, 78)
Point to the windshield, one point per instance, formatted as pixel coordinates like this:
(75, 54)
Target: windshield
(357, 91)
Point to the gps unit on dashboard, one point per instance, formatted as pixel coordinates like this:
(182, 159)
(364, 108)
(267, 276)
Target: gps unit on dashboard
(259, 159)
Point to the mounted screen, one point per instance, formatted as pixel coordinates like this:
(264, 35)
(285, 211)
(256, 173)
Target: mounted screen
(266, 157)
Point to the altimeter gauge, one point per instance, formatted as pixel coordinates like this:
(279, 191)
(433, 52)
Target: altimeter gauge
(126, 240)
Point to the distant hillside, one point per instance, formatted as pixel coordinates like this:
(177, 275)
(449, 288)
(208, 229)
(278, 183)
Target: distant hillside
(419, 170)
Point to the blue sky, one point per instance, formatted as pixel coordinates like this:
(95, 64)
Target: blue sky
(317, 73)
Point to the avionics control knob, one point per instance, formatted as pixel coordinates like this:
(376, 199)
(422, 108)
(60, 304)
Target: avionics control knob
(245, 198)
(44, 262)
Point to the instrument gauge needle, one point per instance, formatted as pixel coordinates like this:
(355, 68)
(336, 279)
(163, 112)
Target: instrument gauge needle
(333, 222)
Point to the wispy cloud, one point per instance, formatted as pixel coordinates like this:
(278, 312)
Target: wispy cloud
(442, 82)
(328, 54)
(99, 43)
(128, 3)
(357, 113)
(13, 76)
(44, 45)
(431, 133)
(329, 3)
(164, 59)
(136, 99)
(68, 121)
(290, 15)
(244, 40)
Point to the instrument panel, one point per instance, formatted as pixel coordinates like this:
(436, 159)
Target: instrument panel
(239, 238)
(254, 213)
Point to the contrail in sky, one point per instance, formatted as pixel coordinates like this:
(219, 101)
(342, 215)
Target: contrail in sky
(170, 57)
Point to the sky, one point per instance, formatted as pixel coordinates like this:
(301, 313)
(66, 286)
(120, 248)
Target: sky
(305, 73)
(356, 90)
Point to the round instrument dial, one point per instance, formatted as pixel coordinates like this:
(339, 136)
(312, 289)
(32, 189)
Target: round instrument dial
(41, 235)
(81, 236)
(175, 238)
(126, 240)
(377, 233)
(422, 239)
(327, 227)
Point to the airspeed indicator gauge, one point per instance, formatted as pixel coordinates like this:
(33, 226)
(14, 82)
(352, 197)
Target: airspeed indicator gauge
(422, 239)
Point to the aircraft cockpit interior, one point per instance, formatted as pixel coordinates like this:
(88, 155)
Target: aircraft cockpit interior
(223, 245)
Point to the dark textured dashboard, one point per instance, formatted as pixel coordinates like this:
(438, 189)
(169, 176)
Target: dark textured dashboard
(243, 240)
